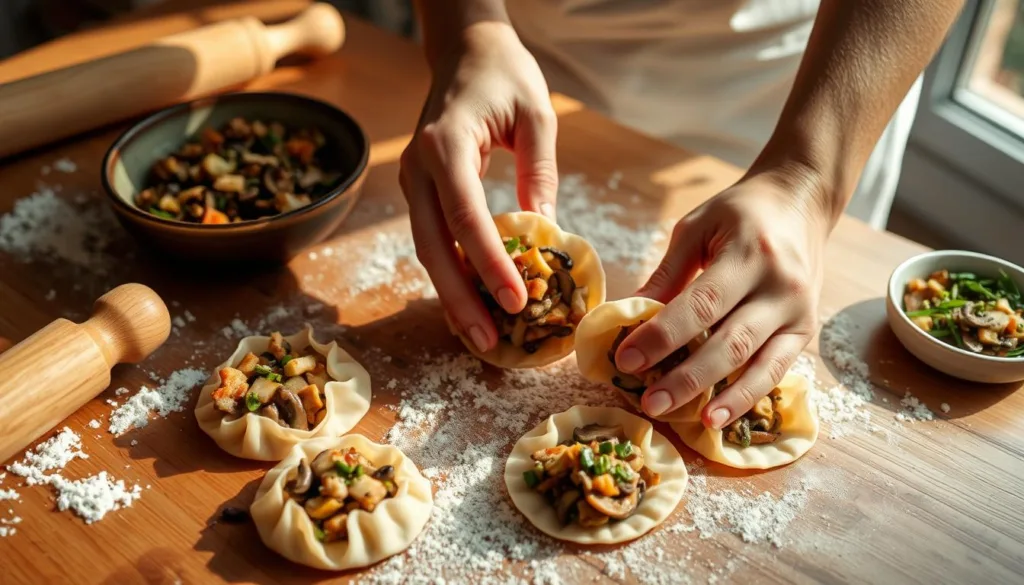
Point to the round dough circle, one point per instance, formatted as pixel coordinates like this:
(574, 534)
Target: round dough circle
(284, 526)
(799, 431)
(596, 334)
(659, 455)
(251, 436)
(586, 271)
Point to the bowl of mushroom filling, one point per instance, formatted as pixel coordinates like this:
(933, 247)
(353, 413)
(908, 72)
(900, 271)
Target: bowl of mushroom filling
(961, 313)
(243, 177)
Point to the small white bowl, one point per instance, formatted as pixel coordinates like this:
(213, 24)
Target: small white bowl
(938, 354)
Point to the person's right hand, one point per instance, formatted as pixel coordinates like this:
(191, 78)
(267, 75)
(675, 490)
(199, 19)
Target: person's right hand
(487, 93)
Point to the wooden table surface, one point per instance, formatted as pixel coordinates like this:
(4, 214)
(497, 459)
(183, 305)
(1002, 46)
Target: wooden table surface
(929, 502)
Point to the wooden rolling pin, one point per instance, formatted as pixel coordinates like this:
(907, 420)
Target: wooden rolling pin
(64, 365)
(55, 105)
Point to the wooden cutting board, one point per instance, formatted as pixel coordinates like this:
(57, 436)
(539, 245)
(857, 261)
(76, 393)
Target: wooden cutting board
(935, 502)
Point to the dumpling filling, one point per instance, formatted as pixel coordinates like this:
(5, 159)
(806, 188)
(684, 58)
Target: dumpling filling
(336, 483)
(281, 384)
(761, 424)
(555, 304)
(638, 384)
(597, 477)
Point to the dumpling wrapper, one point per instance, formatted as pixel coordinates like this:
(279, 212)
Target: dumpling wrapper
(659, 454)
(799, 430)
(251, 436)
(586, 271)
(596, 334)
(284, 526)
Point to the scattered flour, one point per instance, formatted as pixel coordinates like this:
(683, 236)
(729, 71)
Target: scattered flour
(389, 259)
(9, 494)
(65, 165)
(170, 397)
(944, 407)
(91, 497)
(844, 406)
(914, 410)
(94, 424)
(45, 225)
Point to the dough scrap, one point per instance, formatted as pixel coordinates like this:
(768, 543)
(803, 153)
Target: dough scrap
(347, 398)
(799, 430)
(586, 271)
(659, 454)
(596, 334)
(284, 526)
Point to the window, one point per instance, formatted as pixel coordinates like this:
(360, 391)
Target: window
(964, 167)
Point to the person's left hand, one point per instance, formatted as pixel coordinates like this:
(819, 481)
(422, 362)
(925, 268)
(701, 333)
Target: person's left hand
(760, 244)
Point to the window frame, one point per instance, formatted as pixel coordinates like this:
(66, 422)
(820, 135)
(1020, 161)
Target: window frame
(960, 129)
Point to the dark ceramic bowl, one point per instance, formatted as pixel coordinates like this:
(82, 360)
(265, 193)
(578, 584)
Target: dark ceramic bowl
(270, 239)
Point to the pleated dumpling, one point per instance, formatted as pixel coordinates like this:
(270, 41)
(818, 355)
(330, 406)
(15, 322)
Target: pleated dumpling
(275, 391)
(777, 431)
(598, 337)
(339, 503)
(564, 280)
(633, 478)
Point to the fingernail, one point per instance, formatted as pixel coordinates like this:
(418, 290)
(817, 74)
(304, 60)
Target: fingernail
(718, 418)
(630, 360)
(476, 333)
(508, 299)
(548, 210)
(658, 402)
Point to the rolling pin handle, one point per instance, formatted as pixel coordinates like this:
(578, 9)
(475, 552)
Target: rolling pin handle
(128, 323)
(317, 31)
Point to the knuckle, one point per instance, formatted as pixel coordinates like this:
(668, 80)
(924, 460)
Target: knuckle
(739, 344)
(777, 366)
(432, 139)
(686, 382)
(661, 278)
(462, 219)
(747, 395)
(706, 302)
(543, 116)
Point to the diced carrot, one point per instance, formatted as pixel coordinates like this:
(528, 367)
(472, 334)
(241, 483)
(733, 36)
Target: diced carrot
(916, 284)
(605, 485)
(212, 216)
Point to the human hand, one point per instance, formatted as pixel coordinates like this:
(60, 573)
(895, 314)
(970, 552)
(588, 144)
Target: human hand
(487, 93)
(760, 244)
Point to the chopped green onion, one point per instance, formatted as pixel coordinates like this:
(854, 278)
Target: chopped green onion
(963, 276)
(285, 360)
(221, 202)
(319, 533)
(586, 458)
(252, 402)
(344, 469)
(358, 471)
(624, 450)
(531, 479)
(939, 332)
(161, 213)
(263, 370)
(980, 289)
(951, 304)
(274, 377)
(602, 464)
(622, 473)
(606, 448)
(955, 291)
(1016, 352)
(512, 245)
(956, 335)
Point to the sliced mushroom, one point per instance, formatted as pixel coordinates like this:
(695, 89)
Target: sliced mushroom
(324, 461)
(629, 383)
(995, 320)
(278, 180)
(562, 281)
(270, 411)
(762, 437)
(368, 492)
(536, 309)
(622, 335)
(566, 504)
(310, 177)
(291, 410)
(563, 257)
(596, 432)
(617, 508)
(589, 517)
(971, 342)
(579, 303)
(300, 483)
(385, 473)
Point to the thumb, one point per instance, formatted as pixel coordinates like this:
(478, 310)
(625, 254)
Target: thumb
(684, 257)
(536, 170)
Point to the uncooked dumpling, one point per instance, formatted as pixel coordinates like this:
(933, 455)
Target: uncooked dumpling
(598, 336)
(326, 397)
(564, 281)
(618, 498)
(339, 503)
(778, 430)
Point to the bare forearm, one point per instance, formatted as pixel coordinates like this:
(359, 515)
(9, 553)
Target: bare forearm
(862, 58)
(443, 22)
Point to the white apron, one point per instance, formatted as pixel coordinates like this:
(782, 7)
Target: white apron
(711, 76)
